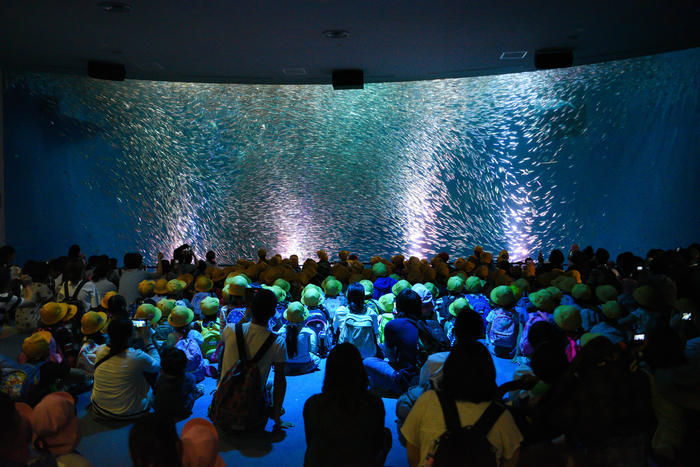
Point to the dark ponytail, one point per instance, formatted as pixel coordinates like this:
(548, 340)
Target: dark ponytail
(292, 337)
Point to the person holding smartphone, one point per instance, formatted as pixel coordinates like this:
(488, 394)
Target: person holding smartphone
(121, 389)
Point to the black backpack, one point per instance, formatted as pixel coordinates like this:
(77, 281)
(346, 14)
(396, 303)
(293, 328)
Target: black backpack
(461, 446)
(431, 339)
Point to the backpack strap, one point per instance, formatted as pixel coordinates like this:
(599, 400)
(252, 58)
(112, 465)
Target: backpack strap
(265, 347)
(449, 412)
(240, 342)
(77, 289)
(325, 312)
(482, 426)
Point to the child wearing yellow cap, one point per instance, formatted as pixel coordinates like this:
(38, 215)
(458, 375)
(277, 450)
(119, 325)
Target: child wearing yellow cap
(92, 326)
(53, 317)
(203, 286)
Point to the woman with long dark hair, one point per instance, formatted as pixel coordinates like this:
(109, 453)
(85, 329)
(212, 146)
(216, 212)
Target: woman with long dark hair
(121, 391)
(344, 425)
(469, 382)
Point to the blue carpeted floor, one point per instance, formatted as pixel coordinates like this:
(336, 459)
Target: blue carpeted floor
(106, 445)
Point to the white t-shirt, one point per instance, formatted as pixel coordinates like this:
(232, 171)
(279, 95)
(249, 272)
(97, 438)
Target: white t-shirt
(105, 285)
(129, 283)
(254, 336)
(120, 387)
(88, 294)
(306, 344)
(425, 424)
(8, 302)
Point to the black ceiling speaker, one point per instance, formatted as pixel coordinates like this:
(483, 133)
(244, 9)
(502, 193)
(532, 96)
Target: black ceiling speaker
(106, 70)
(546, 59)
(348, 79)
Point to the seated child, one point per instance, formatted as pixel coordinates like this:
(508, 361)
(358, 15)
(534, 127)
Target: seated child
(210, 326)
(302, 343)
(52, 317)
(187, 340)
(160, 290)
(333, 289)
(503, 322)
(202, 286)
(455, 285)
(383, 284)
(234, 296)
(146, 293)
(104, 303)
(477, 300)
(92, 325)
(57, 431)
(386, 308)
(568, 318)
(200, 444)
(312, 298)
(176, 389)
(164, 329)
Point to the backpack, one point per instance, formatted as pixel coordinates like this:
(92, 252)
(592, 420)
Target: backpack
(431, 339)
(323, 335)
(333, 303)
(234, 315)
(479, 303)
(73, 300)
(12, 383)
(468, 445)
(212, 335)
(359, 331)
(503, 333)
(240, 402)
(532, 318)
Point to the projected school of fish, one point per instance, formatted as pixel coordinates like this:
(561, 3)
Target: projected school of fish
(412, 167)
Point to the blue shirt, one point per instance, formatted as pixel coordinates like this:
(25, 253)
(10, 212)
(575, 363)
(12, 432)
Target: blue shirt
(401, 342)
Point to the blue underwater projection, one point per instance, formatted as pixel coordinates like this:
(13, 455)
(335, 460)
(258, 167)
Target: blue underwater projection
(604, 154)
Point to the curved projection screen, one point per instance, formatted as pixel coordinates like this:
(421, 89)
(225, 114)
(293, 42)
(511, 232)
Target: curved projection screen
(605, 154)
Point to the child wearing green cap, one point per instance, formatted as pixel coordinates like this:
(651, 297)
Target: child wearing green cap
(302, 342)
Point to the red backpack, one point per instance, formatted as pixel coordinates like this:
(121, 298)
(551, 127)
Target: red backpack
(240, 402)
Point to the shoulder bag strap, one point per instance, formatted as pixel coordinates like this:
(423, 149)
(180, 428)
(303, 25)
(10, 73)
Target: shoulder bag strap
(265, 347)
(104, 359)
(66, 295)
(77, 289)
(240, 342)
(488, 419)
(449, 412)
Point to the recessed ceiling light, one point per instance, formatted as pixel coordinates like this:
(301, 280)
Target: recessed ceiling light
(336, 34)
(513, 55)
(115, 7)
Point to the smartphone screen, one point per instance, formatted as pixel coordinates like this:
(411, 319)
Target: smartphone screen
(139, 323)
(639, 337)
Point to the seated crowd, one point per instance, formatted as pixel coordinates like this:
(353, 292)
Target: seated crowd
(608, 355)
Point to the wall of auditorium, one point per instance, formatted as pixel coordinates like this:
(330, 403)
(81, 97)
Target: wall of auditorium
(604, 154)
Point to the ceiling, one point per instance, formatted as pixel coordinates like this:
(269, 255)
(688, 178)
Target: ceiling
(274, 41)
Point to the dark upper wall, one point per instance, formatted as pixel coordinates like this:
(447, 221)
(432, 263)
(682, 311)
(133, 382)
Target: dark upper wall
(268, 41)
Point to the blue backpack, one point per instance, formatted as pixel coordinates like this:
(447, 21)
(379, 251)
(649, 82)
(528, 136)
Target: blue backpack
(503, 333)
